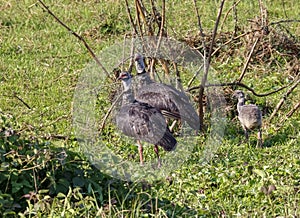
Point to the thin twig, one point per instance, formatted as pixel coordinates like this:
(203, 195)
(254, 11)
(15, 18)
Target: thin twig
(241, 85)
(282, 100)
(263, 14)
(226, 15)
(123, 53)
(201, 33)
(161, 33)
(130, 18)
(132, 49)
(21, 100)
(54, 121)
(78, 37)
(34, 180)
(247, 61)
(293, 110)
(194, 77)
(214, 37)
(108, 112)
(289, 114)
(200, 103)
(284, 21)
(141, 12)
(161, 28)
(59, 137)
(207, 61)
(235, 38)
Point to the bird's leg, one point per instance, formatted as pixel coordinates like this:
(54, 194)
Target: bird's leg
(140, 152)
(259, 139)
(156, 150)
(246, 133)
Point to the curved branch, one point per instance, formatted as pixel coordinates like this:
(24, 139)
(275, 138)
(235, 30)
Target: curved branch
(241, 85)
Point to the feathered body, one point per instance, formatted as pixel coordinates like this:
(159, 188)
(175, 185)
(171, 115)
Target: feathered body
(143, 121)
(249, 115)
(171, 102)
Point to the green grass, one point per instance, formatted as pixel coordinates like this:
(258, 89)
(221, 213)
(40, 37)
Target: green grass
(44, 171)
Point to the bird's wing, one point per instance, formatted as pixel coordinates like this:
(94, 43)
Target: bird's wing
(160, 101)
(141, 121)
(172, 102)
(251, 116)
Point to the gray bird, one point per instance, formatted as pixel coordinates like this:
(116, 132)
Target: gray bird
(143, 121)
(250, 116)
(171, 102)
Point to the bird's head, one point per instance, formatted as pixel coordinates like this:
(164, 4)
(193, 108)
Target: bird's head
(124, 76)
(139, 63)
(126, 80)
(238, 94)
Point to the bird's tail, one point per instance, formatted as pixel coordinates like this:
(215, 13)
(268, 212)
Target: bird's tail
(168, 142)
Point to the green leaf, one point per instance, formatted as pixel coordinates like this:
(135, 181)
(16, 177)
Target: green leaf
(261, 173)
(61, 195)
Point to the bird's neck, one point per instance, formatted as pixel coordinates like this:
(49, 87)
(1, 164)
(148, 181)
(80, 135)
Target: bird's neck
(127, 93)
(241, 102)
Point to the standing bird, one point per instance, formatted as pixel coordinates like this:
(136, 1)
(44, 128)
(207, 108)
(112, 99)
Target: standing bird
(250, 116)
(143, 122)
(171, 102)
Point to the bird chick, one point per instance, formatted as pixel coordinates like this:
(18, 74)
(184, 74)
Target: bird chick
(249, 115)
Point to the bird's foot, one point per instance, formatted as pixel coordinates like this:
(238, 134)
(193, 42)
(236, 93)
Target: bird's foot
(158, 164)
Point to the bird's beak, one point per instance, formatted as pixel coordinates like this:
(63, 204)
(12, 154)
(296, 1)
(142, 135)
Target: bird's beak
(121, 76)
(124, 75)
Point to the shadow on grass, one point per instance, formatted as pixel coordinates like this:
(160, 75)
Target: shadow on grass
(39, 178)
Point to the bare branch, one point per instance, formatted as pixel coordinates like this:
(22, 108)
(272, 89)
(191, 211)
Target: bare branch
(230, 9)
(247, 61)
(282, 100)
(214, 37)
(284, 21)
(141, 13)
(17, 97)
(235, 38)
(77, 36)
(21, 100)
(294, 109)
(289, 114)
(241, 85)
(108, 112)
(130, 18)
(207, 60)
(200, 30)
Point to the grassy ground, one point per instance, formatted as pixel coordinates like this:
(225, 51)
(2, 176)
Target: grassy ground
(43, 170)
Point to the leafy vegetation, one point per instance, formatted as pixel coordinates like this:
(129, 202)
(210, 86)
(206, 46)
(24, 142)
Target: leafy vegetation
(44, 171)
